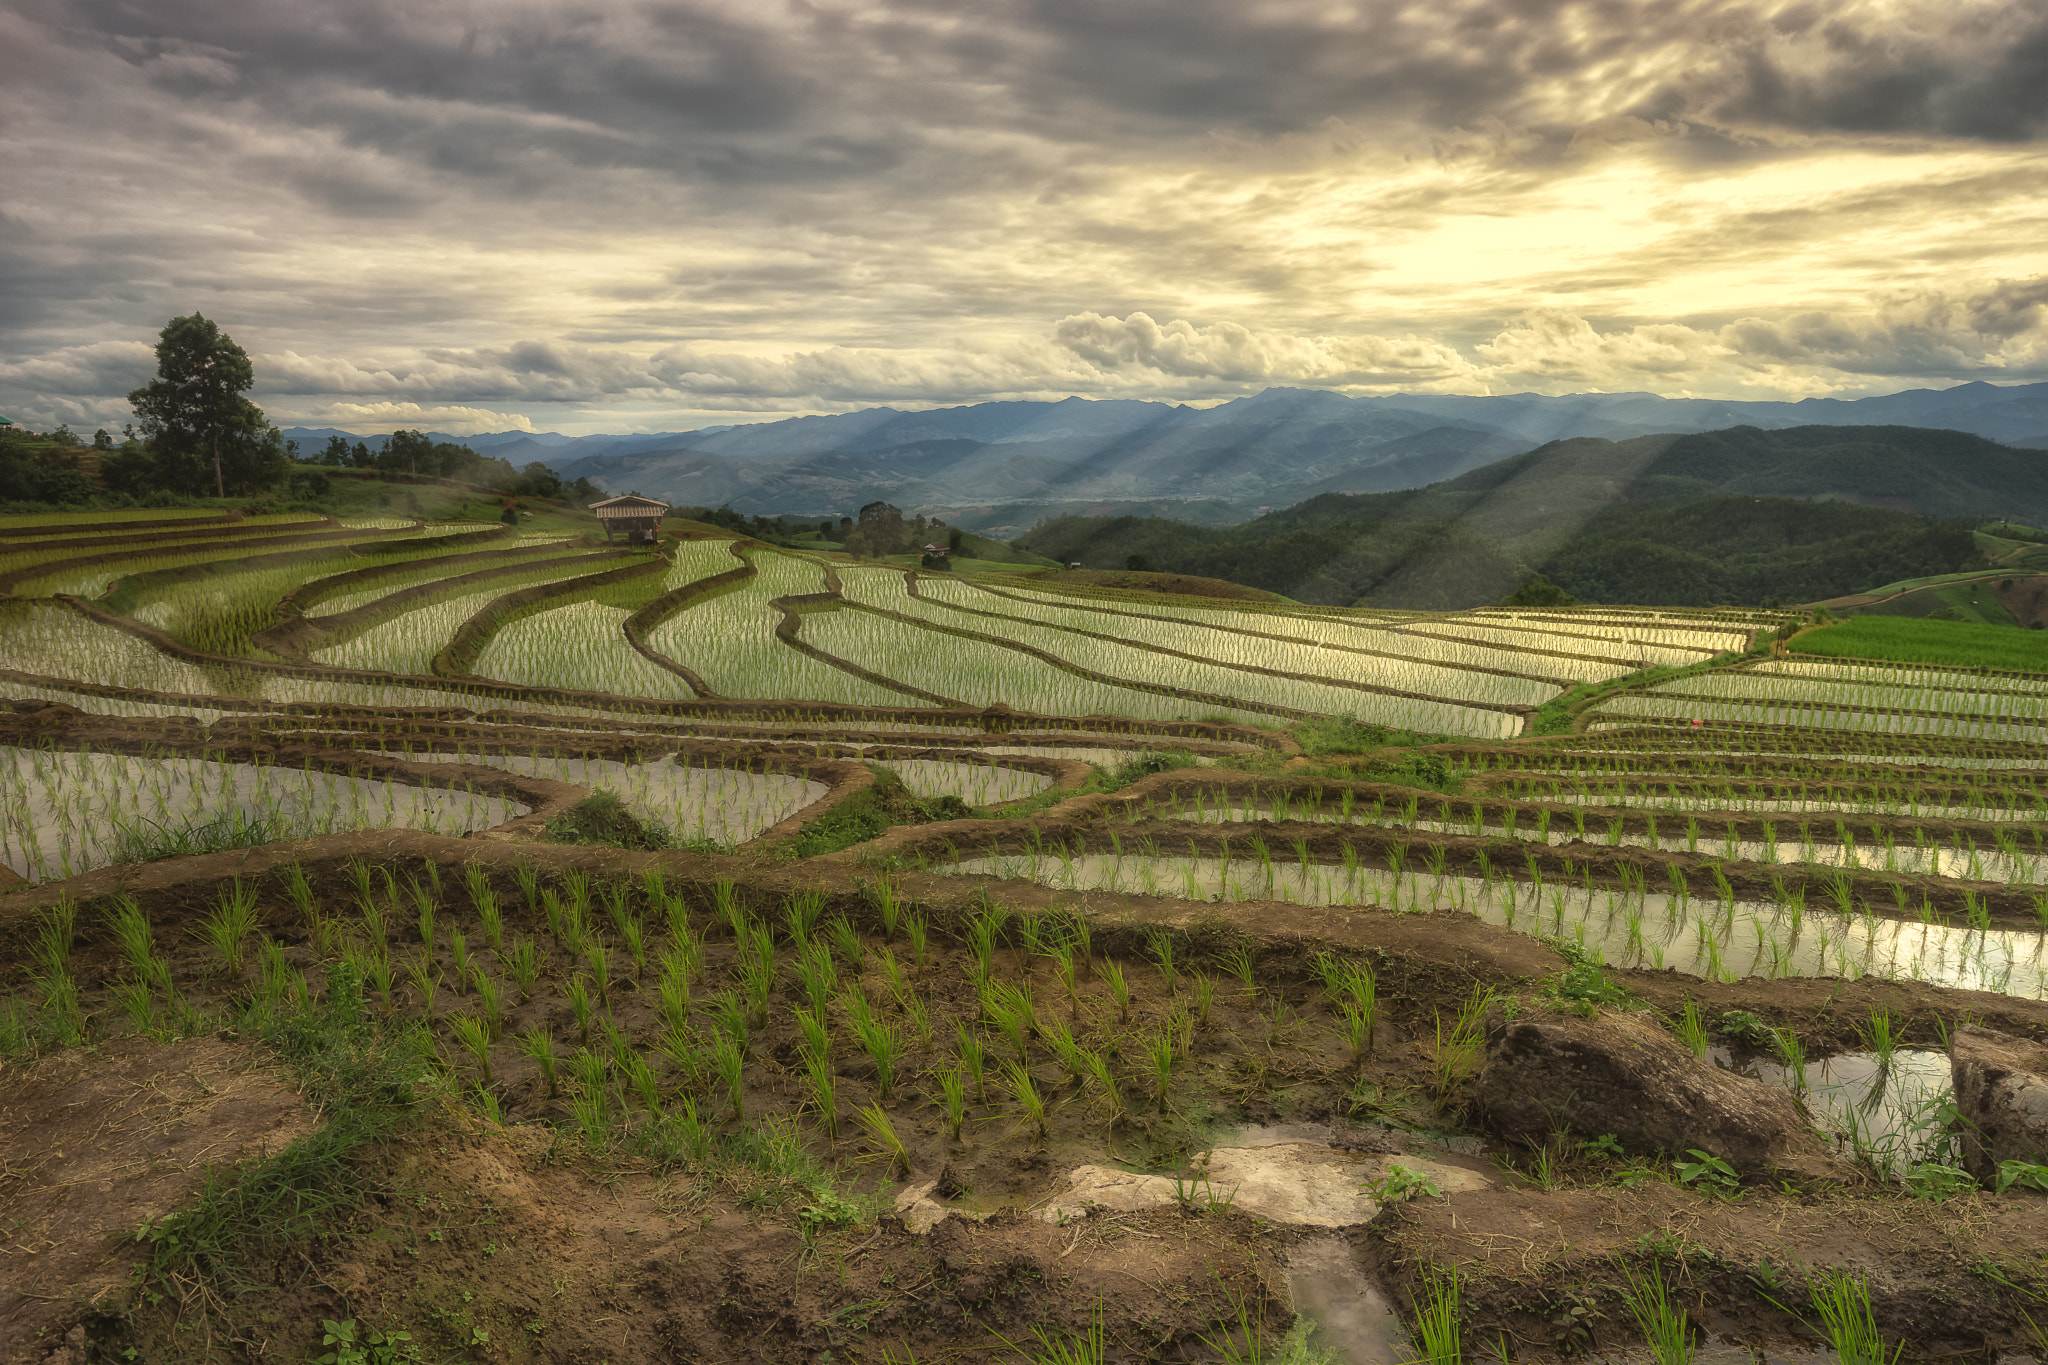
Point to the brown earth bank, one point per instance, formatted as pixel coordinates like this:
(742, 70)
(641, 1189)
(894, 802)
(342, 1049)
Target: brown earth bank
(1131, 580)
(1542, 1272)
(94, 1142)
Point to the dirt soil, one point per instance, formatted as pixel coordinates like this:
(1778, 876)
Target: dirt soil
(94, 1141)
(1541, 1269)
(495, 1237)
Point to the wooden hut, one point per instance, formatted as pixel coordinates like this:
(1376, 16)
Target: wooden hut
(637, 517)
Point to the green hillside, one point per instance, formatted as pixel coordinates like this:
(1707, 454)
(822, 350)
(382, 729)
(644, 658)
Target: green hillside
(1738, 516)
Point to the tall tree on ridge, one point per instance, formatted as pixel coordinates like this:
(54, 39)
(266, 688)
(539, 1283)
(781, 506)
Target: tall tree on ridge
(194, 407)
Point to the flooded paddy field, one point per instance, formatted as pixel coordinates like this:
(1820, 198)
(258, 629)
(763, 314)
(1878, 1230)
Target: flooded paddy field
(753, 988)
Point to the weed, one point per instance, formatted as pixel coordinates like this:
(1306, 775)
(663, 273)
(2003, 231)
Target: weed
(1400, 1184)
(1707, 1172)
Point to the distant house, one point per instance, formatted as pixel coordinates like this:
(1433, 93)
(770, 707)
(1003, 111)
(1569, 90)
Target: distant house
(6, 421)
(638, 518)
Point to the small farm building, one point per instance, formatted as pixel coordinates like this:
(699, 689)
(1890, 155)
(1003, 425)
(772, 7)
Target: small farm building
(637, 517)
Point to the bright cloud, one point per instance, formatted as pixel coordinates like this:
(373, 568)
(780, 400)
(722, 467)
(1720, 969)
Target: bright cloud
(595, 212)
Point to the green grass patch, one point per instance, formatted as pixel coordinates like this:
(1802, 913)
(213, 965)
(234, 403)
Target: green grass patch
(601, 819)
(1915, 640)
(1555, 716)
(367, 1078)
(869, 811)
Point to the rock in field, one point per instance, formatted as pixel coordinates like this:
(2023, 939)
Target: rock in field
(1622, 1075)
(2002, 1091)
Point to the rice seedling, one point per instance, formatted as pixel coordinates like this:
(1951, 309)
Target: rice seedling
(847, 941)
(551, 906)
(1161, 1053)
(224, 930)
(130, 923)
(1880, 1036)
(458, 958)
(1119, 989)
(1242, 963)
(640, 1076)
(1692, 1030)
(1437, 1336)
(299, 890)
(917, 1012)
(426, 922)
(475, 1039)
(537, 1045)
(1162, 955)
(875, 1122)
(818, 1068)
(973, 1056)
(914, 930)
(1017, 1080)
(579, 1003)
(1658, 1316)
(882, 895)
(728, 1059)
(726, 903)
(1843, 1302)
(489, 1000)
(817, 1037)
(524, 964)
(884, 1046)
(816, 970)
(600, 965)
(1009, 1009)
(953, 1099)
(892, 976)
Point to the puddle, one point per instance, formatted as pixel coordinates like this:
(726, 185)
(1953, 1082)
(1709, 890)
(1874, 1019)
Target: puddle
(1353, 1319)
(1888, 1108)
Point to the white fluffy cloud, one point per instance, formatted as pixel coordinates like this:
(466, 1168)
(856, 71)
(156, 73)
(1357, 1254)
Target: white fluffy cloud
(1234, 352)
(455, 420)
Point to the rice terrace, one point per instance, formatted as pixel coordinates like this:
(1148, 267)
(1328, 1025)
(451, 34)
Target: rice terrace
(432, 935)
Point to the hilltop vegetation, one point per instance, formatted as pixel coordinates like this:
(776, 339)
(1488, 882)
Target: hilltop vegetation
(1739, 516)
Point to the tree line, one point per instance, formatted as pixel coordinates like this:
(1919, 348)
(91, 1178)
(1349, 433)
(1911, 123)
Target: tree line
(196, 434)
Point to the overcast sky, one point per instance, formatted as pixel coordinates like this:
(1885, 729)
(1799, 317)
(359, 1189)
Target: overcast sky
(615, 216)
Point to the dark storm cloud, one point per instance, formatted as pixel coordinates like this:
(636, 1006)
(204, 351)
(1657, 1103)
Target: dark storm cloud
(786, 201)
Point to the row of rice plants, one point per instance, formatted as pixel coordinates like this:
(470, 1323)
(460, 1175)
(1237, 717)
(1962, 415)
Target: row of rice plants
(978, 784)
(407, 641)
(51, 639)
(433, 562)
(1238, 648)
(581, 645)
(715, 799)
(1981, 696)
(729, 639)
(62, 813)
(979, 674)
(95, 521)
(1720, 939)
(1816, 716)
(1909, 675)
(1128, 662)
(91, 581)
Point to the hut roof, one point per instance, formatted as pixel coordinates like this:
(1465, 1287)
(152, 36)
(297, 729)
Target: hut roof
(629, 505)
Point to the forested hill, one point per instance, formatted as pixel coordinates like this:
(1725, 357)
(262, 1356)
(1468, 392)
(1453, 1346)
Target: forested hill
(1737, 516)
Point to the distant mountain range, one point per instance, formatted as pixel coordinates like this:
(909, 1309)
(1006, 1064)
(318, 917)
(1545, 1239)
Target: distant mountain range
(997, 467)
(1732, 516)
